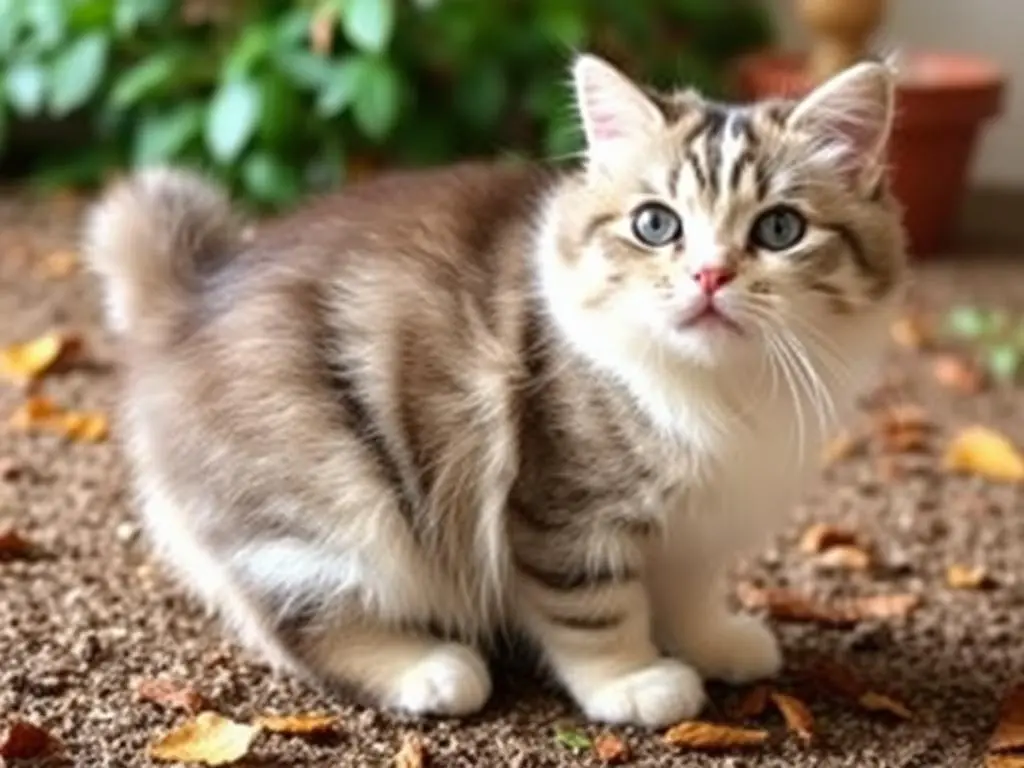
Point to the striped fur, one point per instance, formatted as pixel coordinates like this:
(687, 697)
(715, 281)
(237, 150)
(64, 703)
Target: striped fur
(445, 405)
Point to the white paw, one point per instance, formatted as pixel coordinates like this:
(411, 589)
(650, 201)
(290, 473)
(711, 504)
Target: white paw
(655, 696)
(736, 649)
(451, 680)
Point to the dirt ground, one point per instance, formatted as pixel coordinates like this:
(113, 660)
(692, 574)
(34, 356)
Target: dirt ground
(93, 613)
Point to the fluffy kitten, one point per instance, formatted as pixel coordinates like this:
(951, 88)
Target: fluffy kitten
(446, 404)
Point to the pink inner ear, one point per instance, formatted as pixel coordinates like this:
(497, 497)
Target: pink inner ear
(606, 122)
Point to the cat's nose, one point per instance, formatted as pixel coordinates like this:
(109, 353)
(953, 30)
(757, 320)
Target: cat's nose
(713, 279)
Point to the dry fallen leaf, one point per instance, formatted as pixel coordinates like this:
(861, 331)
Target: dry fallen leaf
(879, 702)
(24, 741)
(796, 714)
(844, 558)
(59, 264)
(209, 739)
(1009, 733)
(171, 693)
(904, 428)
(611, 749)
(982, 451)
(712, 736)
(31, 360)
(12, 544)
(967, 577)
(413, 753)
(959, 375)
(753, 704)
(786, 605)
(298, 725)
(909, 332)
(1004, 761)
(842, 447)
(41, 413)
(821, 536)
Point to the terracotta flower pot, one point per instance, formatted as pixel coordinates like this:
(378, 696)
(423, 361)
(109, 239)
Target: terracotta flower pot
(943, 100)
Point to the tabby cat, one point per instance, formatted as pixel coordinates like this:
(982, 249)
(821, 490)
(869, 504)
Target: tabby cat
(446, 406)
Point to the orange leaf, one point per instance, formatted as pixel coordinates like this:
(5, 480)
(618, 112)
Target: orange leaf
(43, 414)
(982, 451)
(171, 693)
(967, 577)
(1004, 761)
(711, 736)
(786, 605)
(298, 725)
(796, 714)
(25, 741)
(610, 749)
(909, 332)
(209, 739)
(13, 545)
(413, 753)
(821, 536)
(31, 360)
(1009, 733)
(959, 375)
(753, 704)
(59, 264)
(878, 702)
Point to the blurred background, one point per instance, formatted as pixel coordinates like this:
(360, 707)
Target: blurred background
(279, 98)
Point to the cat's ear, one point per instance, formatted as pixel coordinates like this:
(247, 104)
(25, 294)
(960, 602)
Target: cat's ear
(615, 111)
(850, 117)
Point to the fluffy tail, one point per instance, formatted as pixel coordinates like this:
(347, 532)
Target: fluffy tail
(151, 239)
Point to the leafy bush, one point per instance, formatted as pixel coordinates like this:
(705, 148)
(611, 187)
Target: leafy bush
(277, 97)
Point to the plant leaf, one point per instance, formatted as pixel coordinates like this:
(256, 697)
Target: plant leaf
(25, 85)
(982, 451)
(376, 105)
(232, 119)
(343, 83)
(712, 736)
(48, 21)
(270, 180)
(77, 72)
(162, 136)
(129, 15)
(146, 77)
(209, 739)
(368, 24)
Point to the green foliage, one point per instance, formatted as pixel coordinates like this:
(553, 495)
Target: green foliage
(279, 97)
(994, 335)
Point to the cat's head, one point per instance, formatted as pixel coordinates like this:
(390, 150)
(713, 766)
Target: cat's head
(714, 233)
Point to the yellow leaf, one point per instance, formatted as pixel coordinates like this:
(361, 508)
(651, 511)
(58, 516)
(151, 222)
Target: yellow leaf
(301, 724)
(209, 739)
(967, 577)
(982, 451)
(711, 736)
(32, 360)
(43, 414)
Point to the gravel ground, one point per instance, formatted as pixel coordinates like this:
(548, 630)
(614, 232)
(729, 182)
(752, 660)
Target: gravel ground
(93, 613)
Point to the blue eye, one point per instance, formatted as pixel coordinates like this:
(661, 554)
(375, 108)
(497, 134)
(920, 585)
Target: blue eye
(656, 225)
(778, 228)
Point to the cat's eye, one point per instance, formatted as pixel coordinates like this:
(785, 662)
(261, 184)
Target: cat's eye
(656, 225)
(778, 228)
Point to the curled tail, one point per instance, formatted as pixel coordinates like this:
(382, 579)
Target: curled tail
(151, 239)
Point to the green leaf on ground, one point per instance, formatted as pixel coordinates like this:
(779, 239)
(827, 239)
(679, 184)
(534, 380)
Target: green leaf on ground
(77, 72)
(573, 739)
(1003, 362)
(232, 119)
(967, 322)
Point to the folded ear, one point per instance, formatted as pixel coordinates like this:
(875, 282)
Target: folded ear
(850, 118)
(614, 110)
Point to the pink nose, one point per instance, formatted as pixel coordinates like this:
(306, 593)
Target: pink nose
(712, 279)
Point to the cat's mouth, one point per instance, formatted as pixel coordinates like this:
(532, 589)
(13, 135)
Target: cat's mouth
(708, 317)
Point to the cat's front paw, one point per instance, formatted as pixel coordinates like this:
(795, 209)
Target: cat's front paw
(655, 696)
(451, 680)
(735, 648)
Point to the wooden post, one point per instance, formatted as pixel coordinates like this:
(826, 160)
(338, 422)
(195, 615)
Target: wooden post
(839, 31)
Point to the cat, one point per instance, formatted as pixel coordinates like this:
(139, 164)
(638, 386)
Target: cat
(444, 406)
